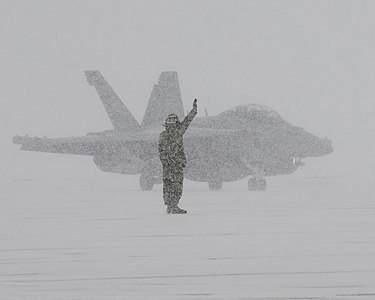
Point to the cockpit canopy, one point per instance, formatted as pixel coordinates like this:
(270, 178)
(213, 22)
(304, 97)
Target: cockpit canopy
(255, 112)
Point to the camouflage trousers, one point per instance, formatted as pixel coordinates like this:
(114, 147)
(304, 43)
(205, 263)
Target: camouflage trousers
(172, 186)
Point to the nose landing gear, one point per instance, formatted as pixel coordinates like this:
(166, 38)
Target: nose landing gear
(215, 185)
(258, 183)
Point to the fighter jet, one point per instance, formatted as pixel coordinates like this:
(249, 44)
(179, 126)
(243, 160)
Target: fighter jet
(247, 140)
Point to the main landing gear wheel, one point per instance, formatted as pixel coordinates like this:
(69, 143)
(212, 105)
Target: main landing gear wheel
(252, 184)
(215, 185)
(262, 185)
(257, 184)
(146, 182)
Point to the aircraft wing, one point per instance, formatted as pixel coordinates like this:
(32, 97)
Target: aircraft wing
(89, 145)
(94, 143)
(70, 145)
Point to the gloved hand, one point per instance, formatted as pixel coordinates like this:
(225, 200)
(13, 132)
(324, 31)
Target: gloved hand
(195, 103)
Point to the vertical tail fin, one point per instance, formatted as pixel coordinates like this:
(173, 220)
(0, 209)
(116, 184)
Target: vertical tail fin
(120, 116)
(165, 99)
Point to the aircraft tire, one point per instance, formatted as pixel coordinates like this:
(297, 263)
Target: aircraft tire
(262, 185)
(215, 185)
(252, 184)
(146, 182)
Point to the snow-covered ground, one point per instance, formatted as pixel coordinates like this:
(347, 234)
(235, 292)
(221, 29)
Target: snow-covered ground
(65, 234)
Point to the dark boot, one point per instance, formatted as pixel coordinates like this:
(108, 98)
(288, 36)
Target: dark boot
(175, 210)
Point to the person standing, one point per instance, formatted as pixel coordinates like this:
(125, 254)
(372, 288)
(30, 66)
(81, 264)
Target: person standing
(172, 156)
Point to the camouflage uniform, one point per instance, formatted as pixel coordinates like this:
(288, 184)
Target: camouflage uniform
(172, 156)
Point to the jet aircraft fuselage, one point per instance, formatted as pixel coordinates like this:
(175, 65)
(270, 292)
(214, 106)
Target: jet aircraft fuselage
(248, 140)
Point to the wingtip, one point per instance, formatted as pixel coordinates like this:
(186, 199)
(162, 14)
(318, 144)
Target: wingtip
(19, 140)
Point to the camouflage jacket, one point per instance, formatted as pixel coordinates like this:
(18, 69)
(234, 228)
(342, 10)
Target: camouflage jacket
(171, 149)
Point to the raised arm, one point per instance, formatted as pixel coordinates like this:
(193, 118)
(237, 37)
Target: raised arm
(189, 117)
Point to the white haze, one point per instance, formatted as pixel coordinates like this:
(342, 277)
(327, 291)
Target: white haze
(311, 61)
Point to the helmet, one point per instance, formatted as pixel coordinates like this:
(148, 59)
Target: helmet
(172, 119)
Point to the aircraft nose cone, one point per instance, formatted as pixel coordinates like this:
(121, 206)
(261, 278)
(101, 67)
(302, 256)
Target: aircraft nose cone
(328, 146)
(316, 146)
(323, 147)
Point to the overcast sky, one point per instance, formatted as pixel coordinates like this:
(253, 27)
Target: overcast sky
(311, 61)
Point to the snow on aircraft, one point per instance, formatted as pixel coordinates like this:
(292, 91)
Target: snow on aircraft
(248, 140)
